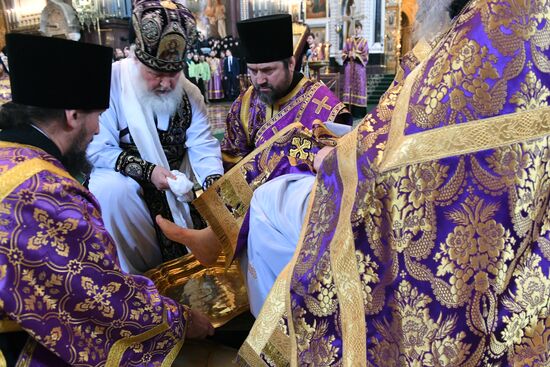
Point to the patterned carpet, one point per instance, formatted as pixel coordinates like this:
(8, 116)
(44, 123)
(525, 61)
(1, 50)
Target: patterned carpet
(217, 113)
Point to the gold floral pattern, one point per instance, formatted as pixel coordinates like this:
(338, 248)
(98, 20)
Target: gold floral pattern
(476, 252)
(41, 290)
(100, 296)
(465, 80)
(322, 287)
(532, 94)
(414, 338)
(422, 183)
(526, 335)
(52, 233)
(322, 215)
(314, 345)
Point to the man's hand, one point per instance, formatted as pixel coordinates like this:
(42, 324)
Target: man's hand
(158, 177)
(320, 156)
(198, 326)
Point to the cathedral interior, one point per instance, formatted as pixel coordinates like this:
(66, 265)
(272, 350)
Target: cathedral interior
(386, 25)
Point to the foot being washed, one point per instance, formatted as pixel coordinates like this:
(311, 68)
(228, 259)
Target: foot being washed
(203, 243)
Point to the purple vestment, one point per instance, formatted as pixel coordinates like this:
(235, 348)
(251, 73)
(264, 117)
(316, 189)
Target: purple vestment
(251, 122)
(427, 242)
(356, 56)
(59, 275)
(215, 85)
(263, 142)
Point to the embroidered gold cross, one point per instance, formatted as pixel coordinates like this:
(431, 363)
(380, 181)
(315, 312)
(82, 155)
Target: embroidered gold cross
(321, 104)
(300, 145)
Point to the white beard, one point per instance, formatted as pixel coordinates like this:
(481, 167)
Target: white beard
(160, 104)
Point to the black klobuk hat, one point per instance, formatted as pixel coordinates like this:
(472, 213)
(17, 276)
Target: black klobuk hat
(266, 39)
(58, 73)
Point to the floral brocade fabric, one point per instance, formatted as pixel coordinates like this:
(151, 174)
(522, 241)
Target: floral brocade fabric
(59, 275)
(448, 254)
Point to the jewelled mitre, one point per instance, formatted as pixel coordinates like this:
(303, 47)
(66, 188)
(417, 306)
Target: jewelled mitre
(163, 30)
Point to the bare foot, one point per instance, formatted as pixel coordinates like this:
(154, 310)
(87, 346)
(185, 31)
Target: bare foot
(203, 243)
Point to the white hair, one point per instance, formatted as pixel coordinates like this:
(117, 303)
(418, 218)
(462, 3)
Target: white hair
(166, 103)
(432, 17)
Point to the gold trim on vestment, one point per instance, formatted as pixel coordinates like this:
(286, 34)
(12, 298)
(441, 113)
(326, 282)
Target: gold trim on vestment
(344, 262)
(245, 112)
(458, 139)
(399, 117)
(265, 335)
(282, 113)
(213, 206)
(9, 326)
(292, 93)
(169, 360)
(15, 176)
(118, 349)
(247, 357)
(231, 158)
(469, 137)
(25, 357)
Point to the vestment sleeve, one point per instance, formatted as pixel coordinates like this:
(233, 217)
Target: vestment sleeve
(235, 144)
(203, 149)
(61, 282)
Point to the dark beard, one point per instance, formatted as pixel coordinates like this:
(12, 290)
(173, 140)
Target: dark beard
(268, 99)
(274, 95)
(75, 160)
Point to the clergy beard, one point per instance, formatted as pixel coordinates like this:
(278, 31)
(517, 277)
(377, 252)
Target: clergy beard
(75, 160)
(164, 103)
(276, 93)
(432, 17)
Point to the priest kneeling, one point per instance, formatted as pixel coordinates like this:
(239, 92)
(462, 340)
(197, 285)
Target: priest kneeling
(61, 286)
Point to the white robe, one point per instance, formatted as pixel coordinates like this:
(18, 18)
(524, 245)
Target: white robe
(124, 211)
(277, 211)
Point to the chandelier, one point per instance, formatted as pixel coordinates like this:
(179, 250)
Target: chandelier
(90, 12)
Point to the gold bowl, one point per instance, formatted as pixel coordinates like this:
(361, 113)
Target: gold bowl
(215, 291)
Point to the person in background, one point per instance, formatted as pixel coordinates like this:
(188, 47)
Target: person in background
(215, 85)
(231, 71)
(204, 75)
(356, 56)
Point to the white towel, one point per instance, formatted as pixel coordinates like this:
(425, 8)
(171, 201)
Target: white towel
(180, 186)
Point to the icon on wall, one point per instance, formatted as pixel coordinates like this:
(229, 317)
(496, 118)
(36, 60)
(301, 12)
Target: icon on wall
(316, 9)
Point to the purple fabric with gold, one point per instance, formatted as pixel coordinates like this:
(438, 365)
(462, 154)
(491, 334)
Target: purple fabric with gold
(356, 56)
(250, 122)
(430, 221)
(59, 274)
(215, 86)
